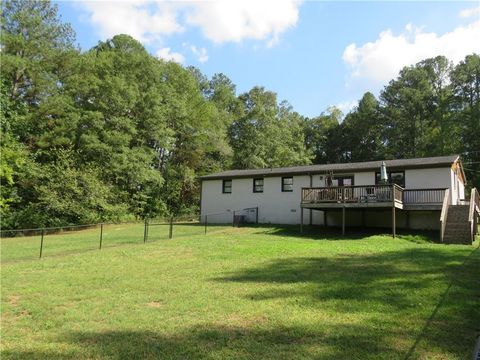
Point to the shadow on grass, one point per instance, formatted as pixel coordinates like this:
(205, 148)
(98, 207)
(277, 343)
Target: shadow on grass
(210, 341)
(351, 233)
(440, 285)
(388, 287)
(378, 277)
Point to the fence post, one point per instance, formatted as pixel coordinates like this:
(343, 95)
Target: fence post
(206, 221)
(101, 235)
(170, 233)
(233, 219)
(256, 216)
(145, 231)
(41, 243)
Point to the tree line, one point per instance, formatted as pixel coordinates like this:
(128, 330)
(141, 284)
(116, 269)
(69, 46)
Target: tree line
(114, 133)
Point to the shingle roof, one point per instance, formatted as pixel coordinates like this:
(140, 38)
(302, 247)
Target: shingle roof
(437, 161)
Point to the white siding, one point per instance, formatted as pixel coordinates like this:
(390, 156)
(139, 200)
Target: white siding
(427, 178)
(274, 206)
(365, 178)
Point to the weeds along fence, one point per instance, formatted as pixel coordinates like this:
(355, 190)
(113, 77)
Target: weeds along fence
(238, 217)
(22, 244)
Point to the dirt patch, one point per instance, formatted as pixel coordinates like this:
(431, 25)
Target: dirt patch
(154, 304)
(13, 300)
(246, 322)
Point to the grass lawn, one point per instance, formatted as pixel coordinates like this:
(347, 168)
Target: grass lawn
(248, 293)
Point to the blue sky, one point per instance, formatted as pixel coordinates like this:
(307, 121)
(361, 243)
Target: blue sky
(312, 54)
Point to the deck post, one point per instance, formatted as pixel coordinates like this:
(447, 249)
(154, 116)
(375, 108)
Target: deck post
(325, 218)
(301, 220)
(363, 218)
(408, 219)
(343, 220)
(393, 221)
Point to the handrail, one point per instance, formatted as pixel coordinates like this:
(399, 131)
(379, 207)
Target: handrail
(424, 196)
(443, 215)
(343, 194)
(472, 212)
(351, 186)
(472, 204)
(378, 192)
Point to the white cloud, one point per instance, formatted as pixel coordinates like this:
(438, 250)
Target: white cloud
(143, 20)
(166, 54)
(220, 21)
(466, 13)
(200, 53)
(234, 21)
(347, 106)
(379, 61)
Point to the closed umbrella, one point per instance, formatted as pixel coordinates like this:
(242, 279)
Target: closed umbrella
(383, 173)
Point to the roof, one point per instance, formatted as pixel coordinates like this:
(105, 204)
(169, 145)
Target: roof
(398, 164)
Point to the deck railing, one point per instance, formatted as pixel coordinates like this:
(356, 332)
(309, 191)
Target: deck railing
(423, 196)
(372, 193)
(368, 193)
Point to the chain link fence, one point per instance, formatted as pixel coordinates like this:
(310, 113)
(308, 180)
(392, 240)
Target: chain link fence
(23, 244)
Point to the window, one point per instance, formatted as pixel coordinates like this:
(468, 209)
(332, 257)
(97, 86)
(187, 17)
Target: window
(343, 181)
(258, 185)
(287, 184)
(394, 177)
(227, 187)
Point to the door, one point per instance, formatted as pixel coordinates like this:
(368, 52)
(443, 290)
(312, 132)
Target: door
(344, 180)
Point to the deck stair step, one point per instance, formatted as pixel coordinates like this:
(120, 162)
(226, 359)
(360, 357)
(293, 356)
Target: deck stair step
(457, 229)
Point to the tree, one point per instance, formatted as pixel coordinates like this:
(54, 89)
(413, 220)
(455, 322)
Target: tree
(267, 135)
(417, 109)
(322, 136)
(35, 46)
(465, 80)
(363, 130)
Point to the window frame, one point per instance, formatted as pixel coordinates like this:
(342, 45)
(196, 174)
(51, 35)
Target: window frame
(224, 181)
(283, 183)
(255, 185)
(343, 177)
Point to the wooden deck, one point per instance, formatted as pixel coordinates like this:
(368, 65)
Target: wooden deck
(372, 196)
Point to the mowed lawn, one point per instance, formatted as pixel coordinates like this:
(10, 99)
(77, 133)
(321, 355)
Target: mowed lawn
(244, 293)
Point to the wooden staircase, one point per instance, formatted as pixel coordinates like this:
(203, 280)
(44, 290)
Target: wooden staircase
(457, 227)
(459, 223)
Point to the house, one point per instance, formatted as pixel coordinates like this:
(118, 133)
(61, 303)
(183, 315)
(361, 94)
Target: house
(421, 193)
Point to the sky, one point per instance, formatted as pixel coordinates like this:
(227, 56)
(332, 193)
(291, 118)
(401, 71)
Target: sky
(313, 54)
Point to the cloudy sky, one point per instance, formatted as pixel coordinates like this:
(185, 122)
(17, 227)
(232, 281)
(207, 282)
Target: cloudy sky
(313, 54)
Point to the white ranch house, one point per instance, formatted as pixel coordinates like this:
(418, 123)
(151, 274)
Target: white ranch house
(422, 193)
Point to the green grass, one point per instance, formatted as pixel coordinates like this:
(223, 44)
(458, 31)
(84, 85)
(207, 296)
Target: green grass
(248, 293)
(61, 243)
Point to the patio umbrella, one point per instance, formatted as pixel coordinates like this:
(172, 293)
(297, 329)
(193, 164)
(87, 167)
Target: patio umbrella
(383, 173)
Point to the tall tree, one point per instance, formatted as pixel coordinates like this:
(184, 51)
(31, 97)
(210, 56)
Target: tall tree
(322, 136)
(466, 86)
(267, 135)
(363, 130)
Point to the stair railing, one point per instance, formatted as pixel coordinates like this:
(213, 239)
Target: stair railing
(472, 213)
(443, 215)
